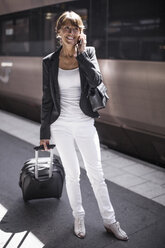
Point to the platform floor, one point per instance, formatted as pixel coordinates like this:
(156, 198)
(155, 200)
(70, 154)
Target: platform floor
(48, 223)
(134, 174)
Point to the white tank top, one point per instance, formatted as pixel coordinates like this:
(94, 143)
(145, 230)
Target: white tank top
(70, 92)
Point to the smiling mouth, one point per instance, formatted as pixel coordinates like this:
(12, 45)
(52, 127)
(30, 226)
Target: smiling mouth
(70, 38)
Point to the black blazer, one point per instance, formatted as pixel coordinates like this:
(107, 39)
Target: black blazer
(90, 76)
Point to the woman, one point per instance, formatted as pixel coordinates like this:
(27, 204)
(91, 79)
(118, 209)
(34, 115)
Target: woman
(67, 117)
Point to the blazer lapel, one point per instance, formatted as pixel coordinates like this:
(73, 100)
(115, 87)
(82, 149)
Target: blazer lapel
(54, 76)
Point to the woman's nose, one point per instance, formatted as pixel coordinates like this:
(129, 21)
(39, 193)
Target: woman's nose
(71, 30)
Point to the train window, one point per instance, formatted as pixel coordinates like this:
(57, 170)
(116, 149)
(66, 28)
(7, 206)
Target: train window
(49, 17)
(15, 36)
(34, 35)
(135, 30)
(128, 30)
(49, 32)
(97, 27)
(35, 32)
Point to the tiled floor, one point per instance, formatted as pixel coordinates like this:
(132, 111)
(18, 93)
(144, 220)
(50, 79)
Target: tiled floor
(138, 176)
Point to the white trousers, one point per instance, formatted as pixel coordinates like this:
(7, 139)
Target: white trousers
(64, 135)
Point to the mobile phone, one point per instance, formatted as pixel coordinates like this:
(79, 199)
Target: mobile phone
(79, 42)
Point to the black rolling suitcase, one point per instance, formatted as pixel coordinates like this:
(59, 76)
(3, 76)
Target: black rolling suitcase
(42, 177)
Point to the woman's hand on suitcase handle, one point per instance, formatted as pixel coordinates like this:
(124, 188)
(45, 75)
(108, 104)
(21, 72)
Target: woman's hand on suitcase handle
(45, 142)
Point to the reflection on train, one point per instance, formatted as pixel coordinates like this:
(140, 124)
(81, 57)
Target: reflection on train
(130, 43)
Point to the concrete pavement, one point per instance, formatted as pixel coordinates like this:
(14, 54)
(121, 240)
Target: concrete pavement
(48, 223)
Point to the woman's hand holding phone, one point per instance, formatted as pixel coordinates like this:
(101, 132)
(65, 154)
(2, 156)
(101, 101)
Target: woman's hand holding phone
(81, 43)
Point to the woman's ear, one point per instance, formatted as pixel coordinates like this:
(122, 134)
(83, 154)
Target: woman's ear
(58, 36)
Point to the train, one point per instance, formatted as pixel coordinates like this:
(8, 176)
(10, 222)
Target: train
(129, 38)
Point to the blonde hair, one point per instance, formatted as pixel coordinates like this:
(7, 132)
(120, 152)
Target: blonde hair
(72, 17)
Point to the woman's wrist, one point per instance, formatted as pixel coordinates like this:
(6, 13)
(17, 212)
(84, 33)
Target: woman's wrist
(78, 52)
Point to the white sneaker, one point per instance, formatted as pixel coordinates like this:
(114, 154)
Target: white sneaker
(79, 227)
(116, 230)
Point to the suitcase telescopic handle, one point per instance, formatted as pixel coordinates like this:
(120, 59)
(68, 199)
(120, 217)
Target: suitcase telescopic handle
(41, 147)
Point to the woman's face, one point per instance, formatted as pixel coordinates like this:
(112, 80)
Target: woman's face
(69, 34)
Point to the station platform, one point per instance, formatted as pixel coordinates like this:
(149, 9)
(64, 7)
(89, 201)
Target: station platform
(137, 191)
